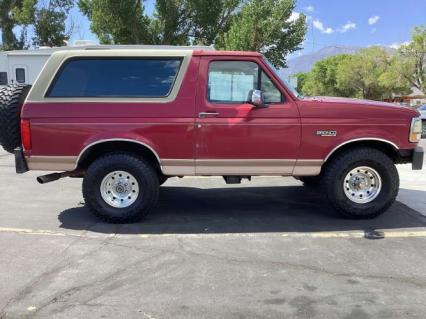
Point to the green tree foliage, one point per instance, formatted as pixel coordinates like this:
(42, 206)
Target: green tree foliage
(15, 13)
(410, 63)
(368, 74)
(361, 72)
(255, 25)
(171, 23)
(322, 80)
(49, 23)
(118, 22)
(211, 18)
(47, 18)
(265, 26)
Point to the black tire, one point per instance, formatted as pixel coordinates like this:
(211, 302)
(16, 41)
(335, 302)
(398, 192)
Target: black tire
(335, 172)
(143, 172)
(11, 99)
(311, 181)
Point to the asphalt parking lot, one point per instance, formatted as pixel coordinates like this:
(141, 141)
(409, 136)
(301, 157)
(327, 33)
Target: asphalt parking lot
(270, 248)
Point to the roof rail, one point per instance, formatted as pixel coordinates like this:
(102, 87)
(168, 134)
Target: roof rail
(148, 47)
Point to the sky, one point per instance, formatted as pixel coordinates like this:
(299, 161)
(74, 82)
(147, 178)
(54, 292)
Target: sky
(360, 23)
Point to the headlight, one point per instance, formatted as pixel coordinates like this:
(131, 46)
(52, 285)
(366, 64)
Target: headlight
(415, 130)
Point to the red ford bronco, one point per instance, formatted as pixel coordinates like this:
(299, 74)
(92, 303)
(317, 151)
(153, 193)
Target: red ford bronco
(126, 120)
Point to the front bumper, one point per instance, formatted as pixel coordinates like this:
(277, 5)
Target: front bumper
(418, 155)
(20, 162)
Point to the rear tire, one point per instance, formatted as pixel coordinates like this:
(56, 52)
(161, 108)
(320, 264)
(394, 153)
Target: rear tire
(361, 183)
(11, 99)
(120, 188)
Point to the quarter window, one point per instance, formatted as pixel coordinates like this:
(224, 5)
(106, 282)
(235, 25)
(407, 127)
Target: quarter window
(116, 77)
(231, 82)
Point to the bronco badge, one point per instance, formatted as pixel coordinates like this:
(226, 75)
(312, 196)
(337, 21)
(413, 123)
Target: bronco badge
(326, 133)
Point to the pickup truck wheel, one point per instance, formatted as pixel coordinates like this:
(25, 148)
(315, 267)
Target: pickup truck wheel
(361, 183)
(11, 100)
(120, 188)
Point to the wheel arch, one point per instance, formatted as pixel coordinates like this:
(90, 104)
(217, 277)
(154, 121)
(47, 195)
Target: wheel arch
(386, 146)
(104, 146)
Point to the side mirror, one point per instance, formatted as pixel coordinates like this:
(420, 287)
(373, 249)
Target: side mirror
(256, 98)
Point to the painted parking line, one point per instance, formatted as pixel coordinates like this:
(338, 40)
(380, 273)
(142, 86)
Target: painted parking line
(314, 235)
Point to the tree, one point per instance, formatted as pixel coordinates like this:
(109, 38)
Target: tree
(49, 23)
(171, 24)
(118, 22)
(175, 22)
(15, 13)
(211, 18)
(411, 61)
(362, 71)
(322, 80)
(226, 24)
(265, 26)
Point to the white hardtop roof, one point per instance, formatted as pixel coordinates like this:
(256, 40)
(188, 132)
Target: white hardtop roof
(49, 51)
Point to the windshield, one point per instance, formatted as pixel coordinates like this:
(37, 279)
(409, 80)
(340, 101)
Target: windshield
(422, 108)
(283, 80)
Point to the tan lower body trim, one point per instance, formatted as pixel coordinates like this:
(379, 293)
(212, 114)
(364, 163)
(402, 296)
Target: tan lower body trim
(244, 167)
(307, 167)
(241, 167)
(51, 163)
(189, 167)
(178, 167)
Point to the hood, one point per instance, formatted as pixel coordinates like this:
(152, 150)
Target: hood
(358, 107)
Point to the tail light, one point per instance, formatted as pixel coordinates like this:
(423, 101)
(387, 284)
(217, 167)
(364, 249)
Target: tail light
(26, 134)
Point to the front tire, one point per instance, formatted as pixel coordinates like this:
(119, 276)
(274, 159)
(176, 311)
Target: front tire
(361, 183)
(120, 188)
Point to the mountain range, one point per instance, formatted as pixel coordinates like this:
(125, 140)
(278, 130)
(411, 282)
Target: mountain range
(304, 63)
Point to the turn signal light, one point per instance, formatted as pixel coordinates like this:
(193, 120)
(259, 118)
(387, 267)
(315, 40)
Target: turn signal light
(26, 134)
(415, 130)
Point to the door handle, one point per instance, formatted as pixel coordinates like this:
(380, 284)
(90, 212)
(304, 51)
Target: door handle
(207, 114)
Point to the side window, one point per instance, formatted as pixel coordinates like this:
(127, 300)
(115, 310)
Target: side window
(231, 81)
(3, 78)
(116, 77)
(20, 75)
(270, 91)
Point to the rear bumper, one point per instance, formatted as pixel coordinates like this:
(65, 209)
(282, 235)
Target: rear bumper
(20, 162)
(418, 155)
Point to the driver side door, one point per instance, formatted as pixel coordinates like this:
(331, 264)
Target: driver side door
(232, 136)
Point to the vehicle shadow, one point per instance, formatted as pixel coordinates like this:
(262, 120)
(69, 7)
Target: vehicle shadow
(190, 210)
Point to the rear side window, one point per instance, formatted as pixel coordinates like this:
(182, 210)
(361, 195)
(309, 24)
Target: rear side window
(116, 77)
(3, 78)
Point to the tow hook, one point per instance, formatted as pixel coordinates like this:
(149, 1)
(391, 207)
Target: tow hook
(55, 176)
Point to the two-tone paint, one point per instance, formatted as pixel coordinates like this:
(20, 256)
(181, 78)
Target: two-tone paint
(237, 139)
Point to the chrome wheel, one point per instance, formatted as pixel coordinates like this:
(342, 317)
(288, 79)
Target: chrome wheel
(119, 189)
(362, 184)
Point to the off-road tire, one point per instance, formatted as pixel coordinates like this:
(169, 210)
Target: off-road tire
(336, 170)
(11, 99)
(145, 175)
